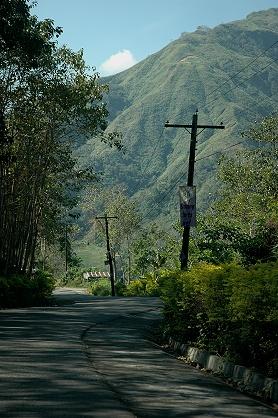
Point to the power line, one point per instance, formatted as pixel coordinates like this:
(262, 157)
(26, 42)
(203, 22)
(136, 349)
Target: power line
(158, 202)
(239, 84)
(243, 68)
(153, 152)
(225, 149)
(155, 205)
(177, 143)
(246, 79)
(231, 77)
(163, 197)
(219, 152)
(145, 169)
(259, 100)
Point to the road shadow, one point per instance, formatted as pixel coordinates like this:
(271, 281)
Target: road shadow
(92, 359)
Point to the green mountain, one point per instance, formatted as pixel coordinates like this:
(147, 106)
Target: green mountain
(229, 73)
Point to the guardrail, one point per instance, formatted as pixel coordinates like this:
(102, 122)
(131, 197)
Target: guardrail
(96, 275)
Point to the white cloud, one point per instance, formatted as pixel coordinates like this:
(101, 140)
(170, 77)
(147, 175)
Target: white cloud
(120, 61)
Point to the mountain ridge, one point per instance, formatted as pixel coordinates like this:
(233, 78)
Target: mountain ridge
(169, 85)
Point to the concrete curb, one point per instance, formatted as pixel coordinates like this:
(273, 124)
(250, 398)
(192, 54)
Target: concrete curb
(245, 379)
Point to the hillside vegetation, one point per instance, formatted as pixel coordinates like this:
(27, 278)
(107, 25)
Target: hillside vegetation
(210, 69)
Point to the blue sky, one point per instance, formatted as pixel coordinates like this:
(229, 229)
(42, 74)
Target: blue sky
(116, 34)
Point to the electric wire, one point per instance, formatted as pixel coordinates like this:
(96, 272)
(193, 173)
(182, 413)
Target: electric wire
(263, 100)
(243, 68)
(201, 104)
(146, 171)
(218, 88)
(259, 100)
(246, 79)
(158, 202)
(229, 147)
(153, 152)
(219, 152)
(232, 77)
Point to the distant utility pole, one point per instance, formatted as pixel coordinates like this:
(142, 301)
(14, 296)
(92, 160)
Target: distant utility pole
(109, 254)
(190, 178)
(66, 249)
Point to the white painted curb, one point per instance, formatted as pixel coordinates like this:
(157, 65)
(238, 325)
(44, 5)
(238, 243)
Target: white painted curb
(245, 379)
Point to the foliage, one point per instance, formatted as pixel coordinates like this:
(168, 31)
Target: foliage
(19, 290)
(254, 293)
(98, 200)
(228, 309)
(21, 35)
(227, 291)
(152, 249)
(147, 286)
(113, 201)
(167, 85)
(101, 287)
(72, 278)
(138, 250)
(242, 222)
(215, 240)
(48, 96)
(117, 203)
(249, 193)
(250, 188)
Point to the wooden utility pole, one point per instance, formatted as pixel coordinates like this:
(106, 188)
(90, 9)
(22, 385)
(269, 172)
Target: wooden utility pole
(109, 254)
(190, 177)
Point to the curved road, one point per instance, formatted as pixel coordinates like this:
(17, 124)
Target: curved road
(89, 357)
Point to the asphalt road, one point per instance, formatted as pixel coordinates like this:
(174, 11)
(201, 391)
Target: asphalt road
(90, 357)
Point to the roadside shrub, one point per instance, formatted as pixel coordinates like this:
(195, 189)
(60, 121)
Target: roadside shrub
(43, 284)
(210, 283)
(20, 290)
(101, 287)
(228, 309)
(73, 278)
(225, 292)
(147, 286)
(120, 288)
(254, 292)
(136, 288)
(183, 308)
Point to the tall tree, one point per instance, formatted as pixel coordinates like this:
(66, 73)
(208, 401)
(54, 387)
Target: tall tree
(244, 218)
(47, 98)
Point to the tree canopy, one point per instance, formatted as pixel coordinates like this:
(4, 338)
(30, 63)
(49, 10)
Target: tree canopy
(243, 220)
(48, 96)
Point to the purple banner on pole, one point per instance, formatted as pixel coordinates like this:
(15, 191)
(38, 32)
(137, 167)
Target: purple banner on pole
(187, 205)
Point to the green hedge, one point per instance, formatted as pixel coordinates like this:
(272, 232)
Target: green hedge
(226, 292)
(20, 290)
(147, 286)
(228, 309)
(101, 287)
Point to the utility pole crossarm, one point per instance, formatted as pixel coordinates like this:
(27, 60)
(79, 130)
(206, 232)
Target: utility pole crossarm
(211, 126)
(106, 217)
(169, 125)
